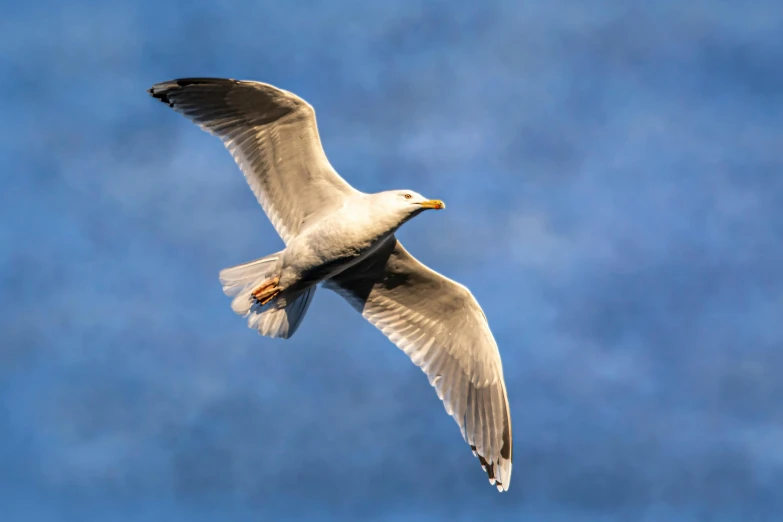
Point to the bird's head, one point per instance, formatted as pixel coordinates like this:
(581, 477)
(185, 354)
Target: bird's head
(395, 207)
(412, 202)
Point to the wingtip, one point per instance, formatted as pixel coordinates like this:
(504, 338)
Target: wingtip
(161, 90)
(497, 474)
(502, 486)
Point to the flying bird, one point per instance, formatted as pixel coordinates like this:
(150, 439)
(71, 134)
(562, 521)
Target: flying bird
(344, 240)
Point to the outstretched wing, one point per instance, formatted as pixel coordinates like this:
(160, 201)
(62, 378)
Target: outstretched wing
(442, 328)
(273, 136)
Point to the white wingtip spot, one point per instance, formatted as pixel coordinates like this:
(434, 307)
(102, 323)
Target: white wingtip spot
(500, 488)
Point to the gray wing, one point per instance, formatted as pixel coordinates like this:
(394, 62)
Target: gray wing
(273, 136)
(440, 326)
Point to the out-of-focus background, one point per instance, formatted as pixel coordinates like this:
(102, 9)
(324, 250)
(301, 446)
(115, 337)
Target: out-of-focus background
(613, 178)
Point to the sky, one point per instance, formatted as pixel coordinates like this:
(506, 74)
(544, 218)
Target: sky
(612, 175)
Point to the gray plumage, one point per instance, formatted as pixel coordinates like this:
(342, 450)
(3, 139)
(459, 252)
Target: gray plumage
(344, 239)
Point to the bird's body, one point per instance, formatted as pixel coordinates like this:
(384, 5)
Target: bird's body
(341, 239)
(344, 239)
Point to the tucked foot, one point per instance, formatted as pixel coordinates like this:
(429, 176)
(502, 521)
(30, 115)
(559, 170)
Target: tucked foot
(266, 291)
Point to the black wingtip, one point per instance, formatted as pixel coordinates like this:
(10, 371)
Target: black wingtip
(161, 90)
(489, 469)
(184, 82)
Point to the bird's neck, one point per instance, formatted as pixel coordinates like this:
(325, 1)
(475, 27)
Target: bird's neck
(389, 218)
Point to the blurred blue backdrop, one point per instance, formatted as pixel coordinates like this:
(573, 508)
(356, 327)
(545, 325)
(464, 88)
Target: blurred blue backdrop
(612, 175)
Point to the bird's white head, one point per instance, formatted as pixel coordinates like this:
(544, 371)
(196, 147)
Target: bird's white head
(412, 202)
(395, 207)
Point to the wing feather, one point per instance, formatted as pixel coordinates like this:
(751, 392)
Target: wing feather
(273, 136)
(440, 326)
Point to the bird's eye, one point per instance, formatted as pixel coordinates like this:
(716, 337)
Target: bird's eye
(408, 196)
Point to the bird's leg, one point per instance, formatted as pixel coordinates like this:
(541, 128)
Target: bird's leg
(266, 291)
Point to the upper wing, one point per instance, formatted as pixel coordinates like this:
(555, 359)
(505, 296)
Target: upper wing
(273, 137)
(441, 327)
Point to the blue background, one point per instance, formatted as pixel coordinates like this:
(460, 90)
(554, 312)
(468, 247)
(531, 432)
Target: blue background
(612, 171)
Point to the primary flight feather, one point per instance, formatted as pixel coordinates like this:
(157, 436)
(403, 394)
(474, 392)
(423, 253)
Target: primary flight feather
(344, 239)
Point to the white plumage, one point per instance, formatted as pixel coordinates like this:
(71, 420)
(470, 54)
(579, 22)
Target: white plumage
(343, 238)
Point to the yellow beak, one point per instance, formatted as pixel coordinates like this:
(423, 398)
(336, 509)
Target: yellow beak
(433, 204)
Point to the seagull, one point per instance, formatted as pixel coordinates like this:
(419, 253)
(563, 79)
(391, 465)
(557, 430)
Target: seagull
(343, 239)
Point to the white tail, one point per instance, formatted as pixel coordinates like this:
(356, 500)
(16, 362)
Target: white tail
(239, 281)
(280, 317)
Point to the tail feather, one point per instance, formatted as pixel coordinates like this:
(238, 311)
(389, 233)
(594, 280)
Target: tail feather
(240, 277)
(279, 318)
(283, 321)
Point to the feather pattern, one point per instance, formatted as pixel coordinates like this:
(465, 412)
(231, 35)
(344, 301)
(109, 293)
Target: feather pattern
(440, 326)
(273, 136)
